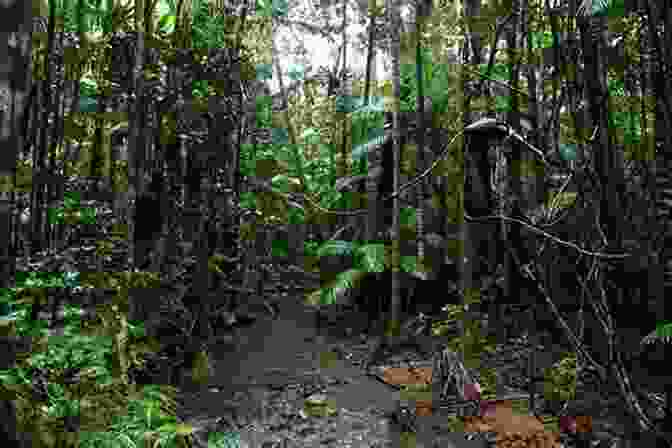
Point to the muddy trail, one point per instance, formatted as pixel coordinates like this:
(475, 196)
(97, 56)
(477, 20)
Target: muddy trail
(264, 375)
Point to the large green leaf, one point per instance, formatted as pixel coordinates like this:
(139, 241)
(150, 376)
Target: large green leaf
(167, 23)
(567, 151)
(376, 138)
(88, 104)
(336, 247)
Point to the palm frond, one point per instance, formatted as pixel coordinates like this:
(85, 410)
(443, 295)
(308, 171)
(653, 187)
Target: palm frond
(595, 7)
(338, 291)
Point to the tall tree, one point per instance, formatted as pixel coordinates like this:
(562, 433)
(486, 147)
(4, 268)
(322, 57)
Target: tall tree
(371, 49)
(423, 10)
(394, 12)
(473, 56)
(370, 184)
(342, 91)
(38, 224)
(593, 39)
(15, 80)
(136, 138)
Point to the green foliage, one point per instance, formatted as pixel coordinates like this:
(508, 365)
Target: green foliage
(280, 247)
(629, 123)
(409, 85)
(264, 72)
(367, 135)
(336, 247)
(455, 423)
(441, 96)
(166, 23)
(201, 368)
(88, 87)
(94, 16)
(560, 380)
(274, 8)
(120, 175)
(371, 257)
(149, 420)
(544, 39)
(473, 343)
(209, 30)
(437, 81)
(367, 258)
(567, 151)
(24, 175)
(360, 152)
(70, 351)
(72, 212)
(68, 12)
(200, 88)
(217, 263)
(602, 8)
(500, 72)
(408, 216)
(88, 104)
(330, 293)
(367, 132)
(224, 440)
(96, 395)
(662, 333)
(311, 248)
(280, 136)
(310, 136)
(616, 86)
(562, 200)
(348, 104)
(487, 380)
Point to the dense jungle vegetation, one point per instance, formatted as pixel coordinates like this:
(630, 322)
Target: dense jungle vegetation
(175, 170)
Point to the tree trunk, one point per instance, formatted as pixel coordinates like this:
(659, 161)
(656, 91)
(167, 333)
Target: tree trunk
(395, 305)
(15, 21)
(468, 259)
(422, 11)
(136, 142)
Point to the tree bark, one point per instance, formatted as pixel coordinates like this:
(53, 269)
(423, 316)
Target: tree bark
(395, 306)
(15, 80)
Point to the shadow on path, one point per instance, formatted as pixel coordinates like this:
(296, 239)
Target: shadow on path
(273, 354)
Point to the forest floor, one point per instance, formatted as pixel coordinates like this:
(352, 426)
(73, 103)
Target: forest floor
(266, 372)
(272, 366)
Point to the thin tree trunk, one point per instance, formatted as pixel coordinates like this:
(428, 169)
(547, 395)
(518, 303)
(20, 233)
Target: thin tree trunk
(395, 306)
(421, 191)
(136, 157)
(469, 259)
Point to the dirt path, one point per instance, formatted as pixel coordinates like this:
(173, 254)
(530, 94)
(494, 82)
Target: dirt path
(275, 365)
(263, 378)
(277, 352)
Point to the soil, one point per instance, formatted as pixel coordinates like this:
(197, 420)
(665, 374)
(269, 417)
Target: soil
(265, 373)
(270, 368)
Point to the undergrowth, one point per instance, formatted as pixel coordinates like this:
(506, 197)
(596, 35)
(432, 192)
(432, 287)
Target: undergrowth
(74, 389)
